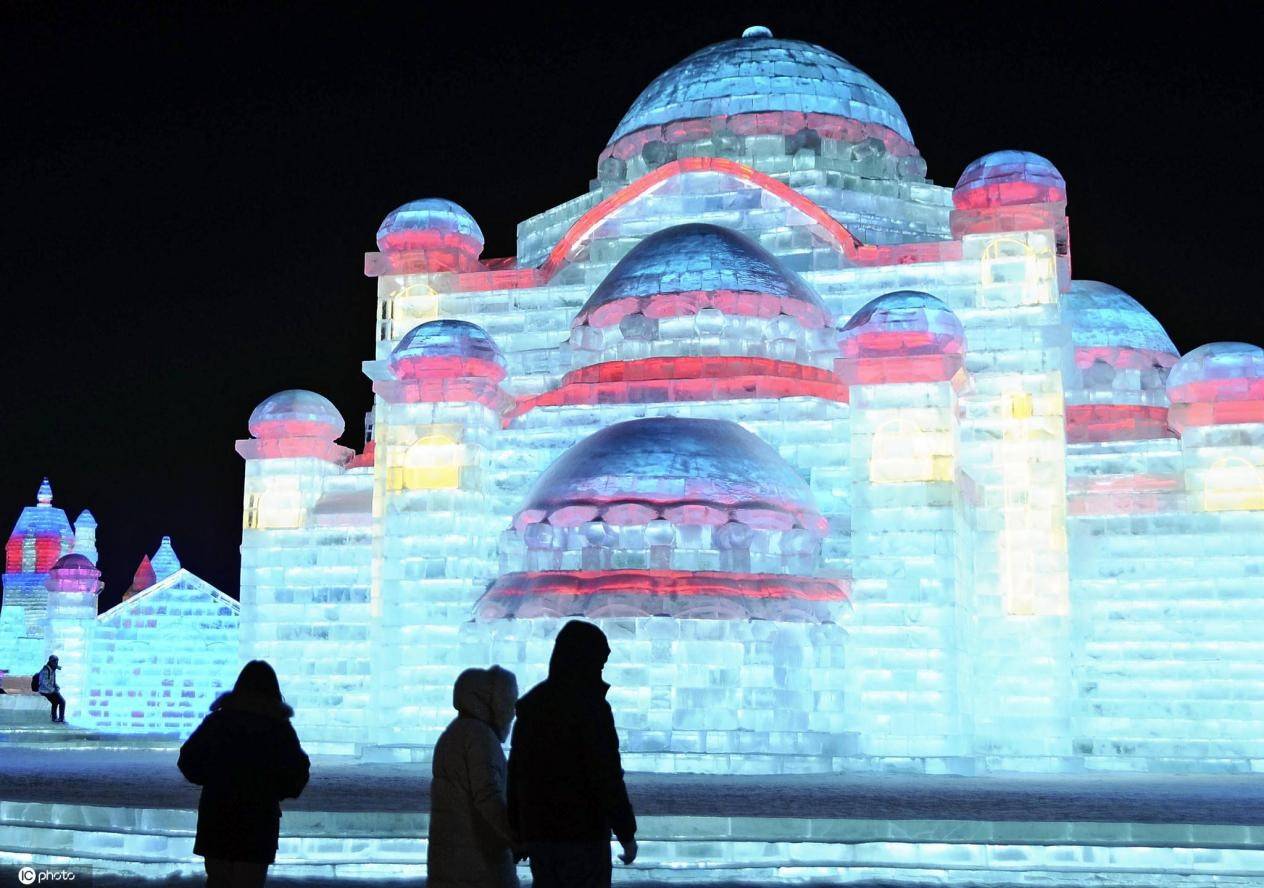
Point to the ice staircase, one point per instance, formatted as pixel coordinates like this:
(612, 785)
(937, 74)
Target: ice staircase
(25, 723)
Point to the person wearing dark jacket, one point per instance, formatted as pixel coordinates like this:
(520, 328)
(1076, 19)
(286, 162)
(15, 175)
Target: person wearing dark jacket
(566, 789)
(50, 690)
(246, 757)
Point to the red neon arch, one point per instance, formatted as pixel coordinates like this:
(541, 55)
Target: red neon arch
(588, 222)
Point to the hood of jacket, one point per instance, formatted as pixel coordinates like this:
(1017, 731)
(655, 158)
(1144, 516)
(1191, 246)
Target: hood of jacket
(488, 695)
(579, 654)
(253, 705)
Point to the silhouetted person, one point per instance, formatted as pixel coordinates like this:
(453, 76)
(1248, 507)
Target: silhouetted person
(471, 842)
(51, 691)
(246, 757)
(566, 790)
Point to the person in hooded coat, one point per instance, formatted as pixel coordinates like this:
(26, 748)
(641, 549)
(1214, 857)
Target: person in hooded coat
(471, 843)
(246, 757)
(566, 789)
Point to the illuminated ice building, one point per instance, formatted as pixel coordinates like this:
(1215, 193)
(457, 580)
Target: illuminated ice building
(848, 466)
(149, 665)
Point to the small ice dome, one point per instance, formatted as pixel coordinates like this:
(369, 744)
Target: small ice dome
(447, 348)
(428, 223)
(1218, 371)
(1221, 383)
(902, 323)
(74, 561)
(73, 573)
(1008, 178)
(757, 31)
(297, 413)
(680, 270)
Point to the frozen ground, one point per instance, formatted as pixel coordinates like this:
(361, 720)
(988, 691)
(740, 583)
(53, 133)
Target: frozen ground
(150, 779)
(82, 881)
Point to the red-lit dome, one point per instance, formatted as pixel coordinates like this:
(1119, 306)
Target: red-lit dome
(1008, 178)
(905, 336)
(446, 349)
(297, 413)
(1220, 383)
(667, 516)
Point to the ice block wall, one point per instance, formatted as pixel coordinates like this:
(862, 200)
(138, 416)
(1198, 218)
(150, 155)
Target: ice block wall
(159, 659)
(902, 356)
(306, 566)
(438, 416)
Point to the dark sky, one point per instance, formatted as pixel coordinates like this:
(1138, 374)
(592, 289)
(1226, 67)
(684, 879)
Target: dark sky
(188, 190)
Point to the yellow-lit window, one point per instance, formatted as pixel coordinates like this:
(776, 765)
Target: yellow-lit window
(432, 463)
(406, 308)
(1011, 262)
(273, 509)
(1233, 484)
(903, 453)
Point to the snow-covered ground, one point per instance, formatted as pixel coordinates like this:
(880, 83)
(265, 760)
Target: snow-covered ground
(136, 778)
(84, 880)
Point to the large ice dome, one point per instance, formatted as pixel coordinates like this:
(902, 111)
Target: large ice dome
(759, 73)
(1105, 317)
(686, 267)
(666, 462)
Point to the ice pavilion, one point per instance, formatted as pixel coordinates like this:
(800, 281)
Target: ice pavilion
(849, 466)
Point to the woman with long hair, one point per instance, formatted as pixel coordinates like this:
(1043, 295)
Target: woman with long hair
(246, 757)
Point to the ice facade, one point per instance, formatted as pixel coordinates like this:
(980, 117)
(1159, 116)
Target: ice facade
(152, 664)
(849, 467)
(158, 659)
(40, 537)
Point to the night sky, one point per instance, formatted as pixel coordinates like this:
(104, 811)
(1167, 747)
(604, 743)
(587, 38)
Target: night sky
(188, 191)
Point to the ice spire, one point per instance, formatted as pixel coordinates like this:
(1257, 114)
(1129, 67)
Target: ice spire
(86, 536)
(45, 495)
(142, 579)
(165, 562)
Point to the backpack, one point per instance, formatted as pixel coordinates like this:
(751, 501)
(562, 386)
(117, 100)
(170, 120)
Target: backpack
(35, 681)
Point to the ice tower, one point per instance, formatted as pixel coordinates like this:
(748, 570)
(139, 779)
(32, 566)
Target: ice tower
(849, 467)
(41, 536)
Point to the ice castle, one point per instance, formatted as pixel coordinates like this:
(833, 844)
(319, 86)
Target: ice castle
(849, 467)
(149, 665)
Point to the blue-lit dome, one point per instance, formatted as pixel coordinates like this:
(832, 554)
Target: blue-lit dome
(905, 322)
(697, 265)
(443, 346)
(297, 413)
(1008, 177)
(1218, 363)
(417, 222)
(1105, 317)
(672, 460)
(761, 73)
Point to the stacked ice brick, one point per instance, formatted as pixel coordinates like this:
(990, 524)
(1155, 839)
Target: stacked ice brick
(41, 535)
(1169, 556)
(160, 658)
(306, 562)
(696, 408)
(901, 355)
